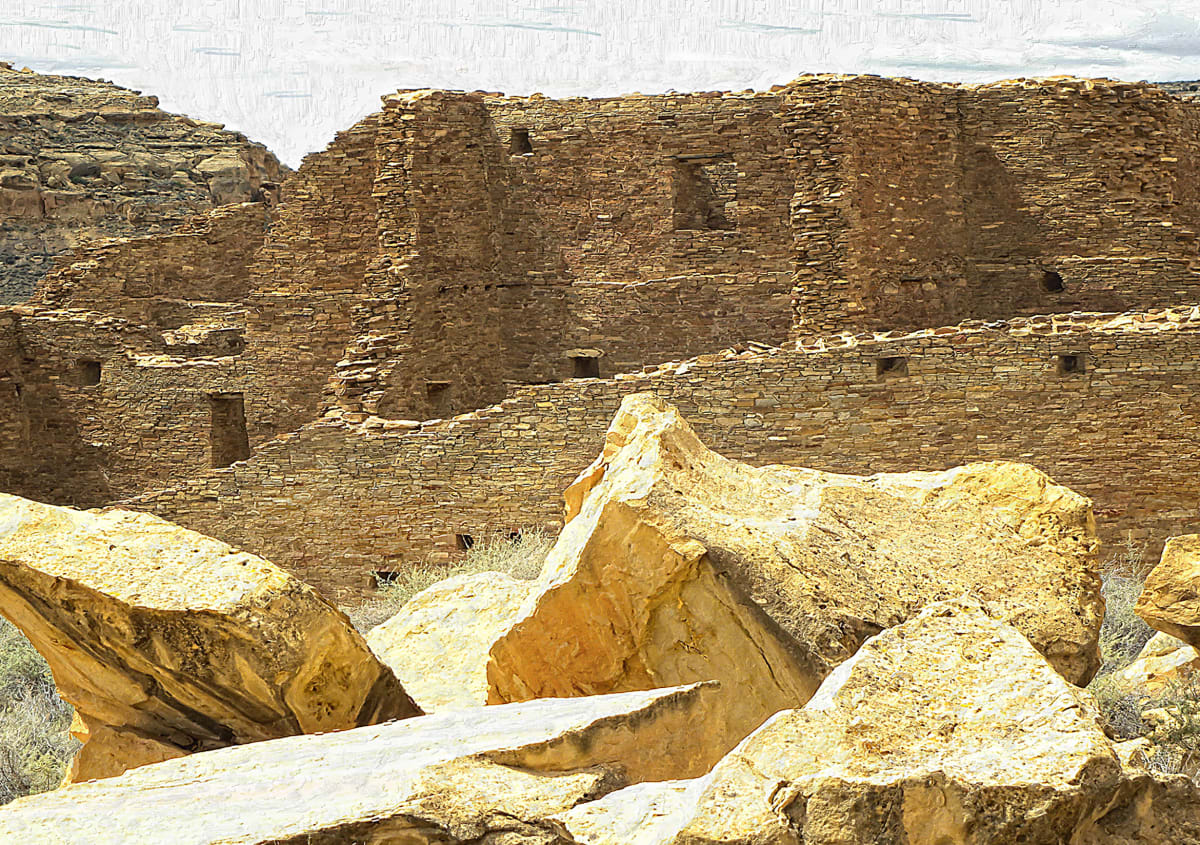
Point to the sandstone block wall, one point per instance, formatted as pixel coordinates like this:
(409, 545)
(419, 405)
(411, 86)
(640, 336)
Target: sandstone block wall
(145, 279)
(1105, 404)
(95, 409)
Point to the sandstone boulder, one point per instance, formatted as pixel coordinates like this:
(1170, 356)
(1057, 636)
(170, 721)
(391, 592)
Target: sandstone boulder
(1170, 601)
(677, 565)
(168, 642)
(1163, 661)
(949, 729)
(438, 643)
(490, 775)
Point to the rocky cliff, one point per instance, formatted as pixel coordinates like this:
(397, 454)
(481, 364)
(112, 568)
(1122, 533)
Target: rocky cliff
(81, 159)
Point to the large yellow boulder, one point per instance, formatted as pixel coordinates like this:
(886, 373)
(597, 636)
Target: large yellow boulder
(168, 642)
(677, 565)
(482, 775)
(1170, 601)
(950, 729)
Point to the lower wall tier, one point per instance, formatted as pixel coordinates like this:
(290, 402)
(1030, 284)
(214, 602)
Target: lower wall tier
(1107, 405)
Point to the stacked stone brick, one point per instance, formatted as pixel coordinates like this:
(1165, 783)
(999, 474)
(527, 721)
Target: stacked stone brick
(508, 268)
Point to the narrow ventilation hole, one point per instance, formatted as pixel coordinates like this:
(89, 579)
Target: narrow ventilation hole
(889, 368)
(384, 577)
(465, 542)
(1052, 282)
(1072, 365)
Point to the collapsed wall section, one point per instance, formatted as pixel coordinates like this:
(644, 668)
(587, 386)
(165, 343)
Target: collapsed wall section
(1106, 405)
(163, 280)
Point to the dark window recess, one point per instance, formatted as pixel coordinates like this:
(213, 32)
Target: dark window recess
(465, 542)
(520, 144)
(1052, 282)
(88, 372)
(705, 193)
(383, 577)
(1072, 365)
(228, 437)
(438, 395)
(585, 367)
(888, 368)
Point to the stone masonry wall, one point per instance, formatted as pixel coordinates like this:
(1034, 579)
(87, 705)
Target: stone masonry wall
(1107, 405)
(926, 204)
(92, 406)
(147, 279)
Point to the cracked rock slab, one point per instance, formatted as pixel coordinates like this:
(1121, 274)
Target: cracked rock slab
(1170, 600)
(491, 775)
(168, 642)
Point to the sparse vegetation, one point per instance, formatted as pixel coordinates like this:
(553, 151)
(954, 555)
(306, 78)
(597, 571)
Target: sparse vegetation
(1170, 719)
(35, 746)
(520, 556)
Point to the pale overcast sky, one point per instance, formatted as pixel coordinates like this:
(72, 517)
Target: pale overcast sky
(290, 73)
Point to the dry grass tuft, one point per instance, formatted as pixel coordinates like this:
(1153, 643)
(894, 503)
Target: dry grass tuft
(1170, 719)
(521, 558)
(35, 746)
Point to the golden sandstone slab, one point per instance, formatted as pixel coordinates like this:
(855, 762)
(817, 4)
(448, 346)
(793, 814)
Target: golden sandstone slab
(168, 642)
(478, 775)
(946, 730)
(1170, 601)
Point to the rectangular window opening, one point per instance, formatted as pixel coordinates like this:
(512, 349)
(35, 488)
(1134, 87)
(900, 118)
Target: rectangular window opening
(1074, 364)
(465, 542)
(437, 394)
(88, 372)
(520, 144)
(889, 368)
(228, 439)
(588, 367)
(705, 193)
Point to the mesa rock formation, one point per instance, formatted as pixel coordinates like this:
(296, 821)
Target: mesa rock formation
(84, 160)
(168, 642)
(949, 728)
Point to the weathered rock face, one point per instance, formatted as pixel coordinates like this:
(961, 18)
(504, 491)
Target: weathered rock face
(83, 159)
(470, 776)
(438, 644)
(168, 642)
(671, 554)
(947, 730)
(1170, 601)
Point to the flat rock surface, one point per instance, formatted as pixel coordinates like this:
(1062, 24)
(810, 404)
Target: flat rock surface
(452, 777)
(438, 643)
(165, 639)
